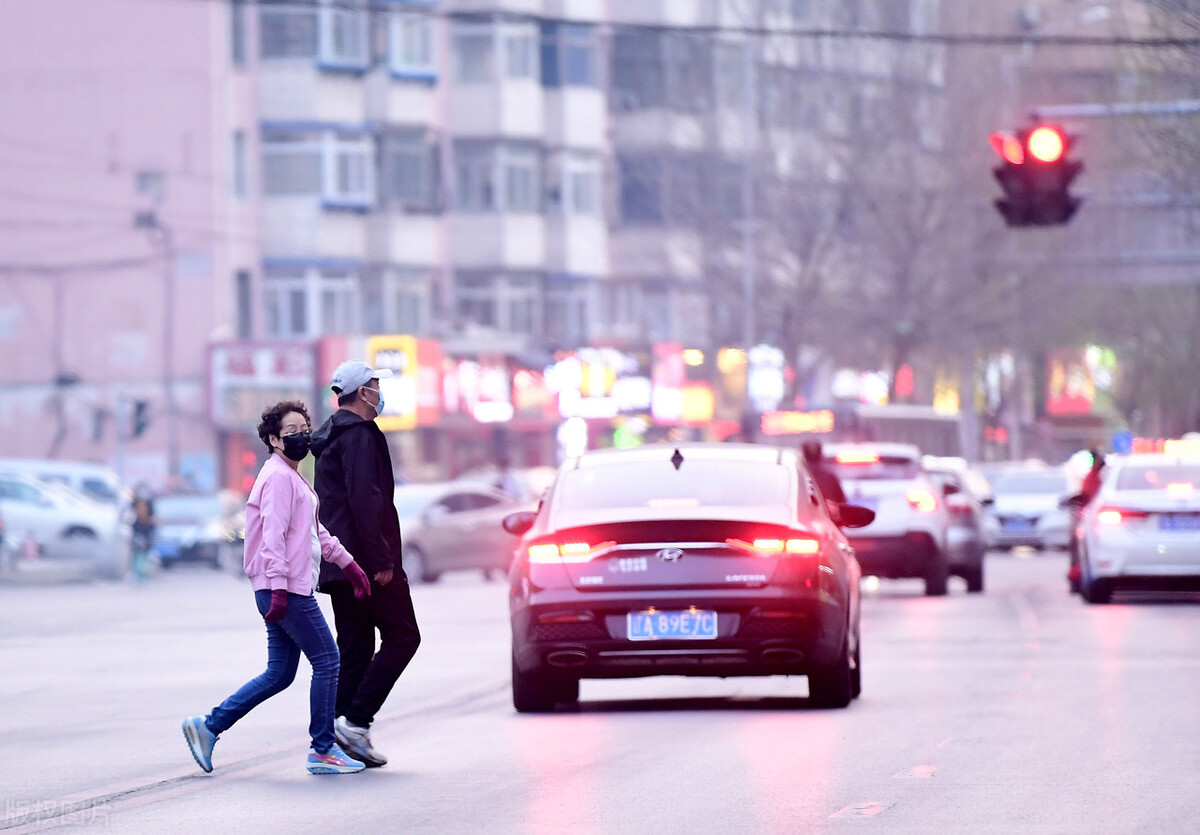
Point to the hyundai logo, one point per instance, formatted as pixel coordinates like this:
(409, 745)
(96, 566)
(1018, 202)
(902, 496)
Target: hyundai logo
(670, 554)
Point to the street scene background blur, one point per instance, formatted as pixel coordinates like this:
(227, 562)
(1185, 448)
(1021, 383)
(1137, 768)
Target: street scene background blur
(581, 223)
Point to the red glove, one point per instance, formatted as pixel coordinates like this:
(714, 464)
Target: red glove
(358, 580)
(278, 606)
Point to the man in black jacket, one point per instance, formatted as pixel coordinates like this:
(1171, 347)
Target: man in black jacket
(355, 484)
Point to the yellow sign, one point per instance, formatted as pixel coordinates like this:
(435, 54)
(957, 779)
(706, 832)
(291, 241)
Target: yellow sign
(399, 392)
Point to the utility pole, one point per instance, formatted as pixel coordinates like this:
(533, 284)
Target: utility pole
(161, 236)
(750, 141)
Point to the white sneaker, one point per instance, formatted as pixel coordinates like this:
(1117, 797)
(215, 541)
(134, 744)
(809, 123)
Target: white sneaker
(357, 742)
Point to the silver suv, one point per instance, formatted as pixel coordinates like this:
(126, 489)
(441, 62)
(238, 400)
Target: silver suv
(909, 537)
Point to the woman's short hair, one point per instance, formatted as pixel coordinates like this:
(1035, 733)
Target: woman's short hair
(272, 419)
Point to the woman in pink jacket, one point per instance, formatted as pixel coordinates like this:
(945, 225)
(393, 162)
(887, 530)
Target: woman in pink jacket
(285, 543)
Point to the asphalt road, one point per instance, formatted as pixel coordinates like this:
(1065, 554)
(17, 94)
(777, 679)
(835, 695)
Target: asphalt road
(1021, 710)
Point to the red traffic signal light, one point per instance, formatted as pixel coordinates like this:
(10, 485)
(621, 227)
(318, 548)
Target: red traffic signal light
(1046, 143)
(1036, 176)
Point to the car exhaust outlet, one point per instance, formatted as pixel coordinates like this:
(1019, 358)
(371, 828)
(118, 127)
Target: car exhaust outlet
(567, 658)
(782, 655)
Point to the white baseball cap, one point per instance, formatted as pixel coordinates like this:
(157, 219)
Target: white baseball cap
(353, 374)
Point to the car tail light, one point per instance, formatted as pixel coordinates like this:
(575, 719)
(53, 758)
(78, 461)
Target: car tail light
(960, 506)
(922, 500)
(769, 547)
(1118, 515)
(857, 456)
(566, 552)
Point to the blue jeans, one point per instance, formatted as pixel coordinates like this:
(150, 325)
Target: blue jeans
(302, 629)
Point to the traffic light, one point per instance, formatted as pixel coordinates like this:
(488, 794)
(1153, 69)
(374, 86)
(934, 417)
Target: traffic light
(1036, 176)
(141, 418)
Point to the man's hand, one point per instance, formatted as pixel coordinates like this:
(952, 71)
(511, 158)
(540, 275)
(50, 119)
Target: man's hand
(383, 577)
(358, 580)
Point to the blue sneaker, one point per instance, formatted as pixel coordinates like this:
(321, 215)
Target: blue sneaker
(200, 739)
(334, 761)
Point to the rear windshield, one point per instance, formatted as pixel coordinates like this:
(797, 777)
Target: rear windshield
(884, 468)
(659, 485)
(1026, 484)
(1157, 477)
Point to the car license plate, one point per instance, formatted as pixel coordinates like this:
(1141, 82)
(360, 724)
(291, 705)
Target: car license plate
(692, 624)
(1179, 522)
(1020, 525)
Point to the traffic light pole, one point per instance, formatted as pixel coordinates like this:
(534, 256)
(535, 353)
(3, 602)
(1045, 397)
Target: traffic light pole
(150, 221)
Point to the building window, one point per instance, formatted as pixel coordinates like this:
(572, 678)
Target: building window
(474, 178)
(474, 55)
(349, 178)
(285, 307)
(410, 50)
(340, 169)
(569, 55)
(521, 295)
(291, 166)
(237, 32)
(637, 69)
(345, 36)
(287, 32)
(411, 167)
(520, 180)
(641, 189)
(575, 186)
(619, 304)
(243, 291)
(565, 311)
(520, 52)
(475, 299)
(510, 303)
(238, 165)
(337, 302)
(309, 303)
(730, 74)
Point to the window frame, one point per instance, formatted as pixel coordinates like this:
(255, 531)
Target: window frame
(400, 25)
(357, 21)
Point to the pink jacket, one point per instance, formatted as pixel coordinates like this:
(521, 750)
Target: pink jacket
(279, 519)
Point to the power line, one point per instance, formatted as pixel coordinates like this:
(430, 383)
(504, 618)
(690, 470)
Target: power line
(932, 38)
(111, 265)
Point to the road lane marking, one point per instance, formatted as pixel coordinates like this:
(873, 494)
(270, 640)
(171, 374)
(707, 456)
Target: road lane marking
(861, 810)
(944, 742)
(919, 772)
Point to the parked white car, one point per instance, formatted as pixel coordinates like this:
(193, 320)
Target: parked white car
(95, 481)
(49, 521)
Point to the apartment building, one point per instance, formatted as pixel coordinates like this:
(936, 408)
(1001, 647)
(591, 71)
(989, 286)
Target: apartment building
(128, 228)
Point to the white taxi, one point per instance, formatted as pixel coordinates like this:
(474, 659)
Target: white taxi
(1142, 530)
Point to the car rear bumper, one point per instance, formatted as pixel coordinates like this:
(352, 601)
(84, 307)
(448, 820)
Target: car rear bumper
(759, 632)
(911, 555)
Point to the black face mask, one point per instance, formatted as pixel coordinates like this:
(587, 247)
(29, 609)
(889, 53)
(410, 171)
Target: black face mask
(295, 447)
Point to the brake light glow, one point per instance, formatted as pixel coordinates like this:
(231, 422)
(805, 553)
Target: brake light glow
(1117, 515)
(567, 552)
(922, 500)
(857, 456)
(768, 547)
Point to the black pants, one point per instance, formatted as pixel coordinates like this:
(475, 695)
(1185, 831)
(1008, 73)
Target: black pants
(366, 677)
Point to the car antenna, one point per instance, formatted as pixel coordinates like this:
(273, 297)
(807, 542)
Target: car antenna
(677, 458)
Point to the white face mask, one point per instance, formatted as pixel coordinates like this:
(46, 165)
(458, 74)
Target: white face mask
(379, 404)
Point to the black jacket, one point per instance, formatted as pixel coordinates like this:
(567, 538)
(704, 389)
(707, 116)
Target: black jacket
(356, 487)
(827, 482)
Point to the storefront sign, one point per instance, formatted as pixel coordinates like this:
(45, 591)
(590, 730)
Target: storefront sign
(247, 377)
